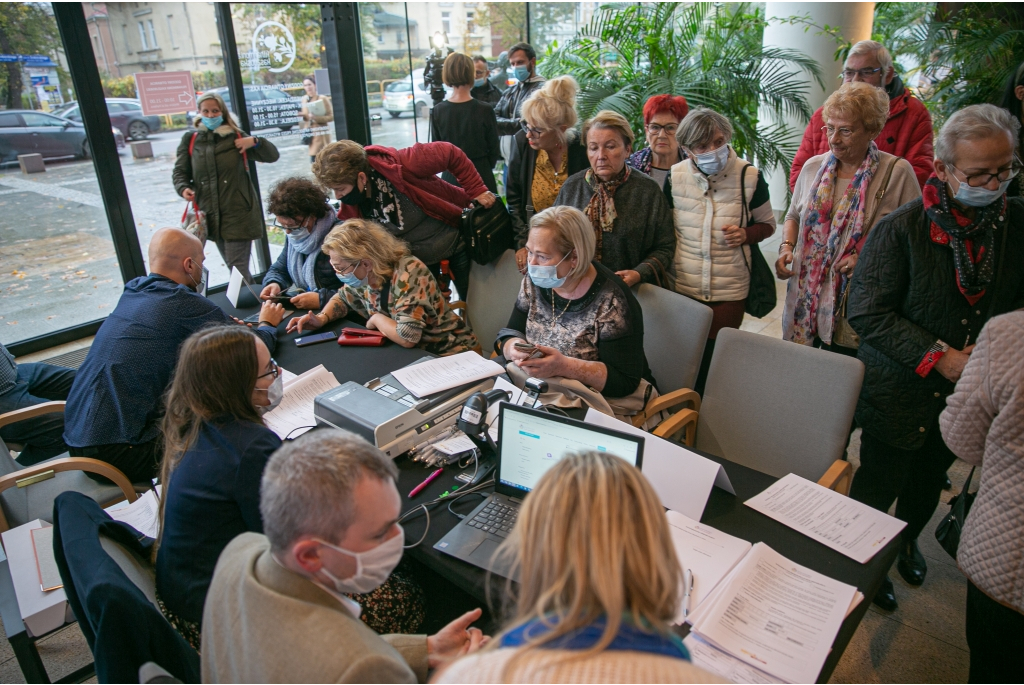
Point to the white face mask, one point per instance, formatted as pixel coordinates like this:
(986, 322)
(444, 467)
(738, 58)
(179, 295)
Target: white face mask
(275, 392)
(372, 566)
(713, 162)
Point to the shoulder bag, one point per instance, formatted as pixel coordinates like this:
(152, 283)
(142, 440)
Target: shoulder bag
(842, 332)
(487, 231)
(948, 532)
(761, 297)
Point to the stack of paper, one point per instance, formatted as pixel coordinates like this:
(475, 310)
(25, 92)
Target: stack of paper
(444, 373)
(836, 521)
(775, 615)
(143, 514)
(294, 416)
(458, 442)
(708, 553)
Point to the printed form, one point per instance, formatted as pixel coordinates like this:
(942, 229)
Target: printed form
(836, 521)
(444, 373)
(294, 416)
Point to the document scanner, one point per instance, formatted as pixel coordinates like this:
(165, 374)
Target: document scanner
(388, 415)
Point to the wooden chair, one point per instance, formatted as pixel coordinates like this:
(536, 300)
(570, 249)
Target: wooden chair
(28, 493)
(775, 406)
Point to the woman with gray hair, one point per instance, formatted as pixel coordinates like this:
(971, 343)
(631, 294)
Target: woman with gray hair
(933, 272)
(573, 319)
(838, 198)
(720, 207)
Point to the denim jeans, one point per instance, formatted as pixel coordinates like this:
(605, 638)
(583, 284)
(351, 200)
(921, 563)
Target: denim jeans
(42, 436)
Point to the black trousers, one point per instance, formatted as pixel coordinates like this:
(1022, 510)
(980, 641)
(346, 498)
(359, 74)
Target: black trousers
(459, 264)
(913, 478)
(140, 463)
(995, 635)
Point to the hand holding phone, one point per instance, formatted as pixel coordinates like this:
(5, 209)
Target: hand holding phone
(528, 349)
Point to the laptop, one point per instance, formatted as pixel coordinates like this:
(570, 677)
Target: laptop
(529, 443)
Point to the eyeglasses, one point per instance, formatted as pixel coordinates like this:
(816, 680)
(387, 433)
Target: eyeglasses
(278, 224)
(849, 74)
(830, 131)
(535, 131)
(656, 129)
(346, 271)
(979, 180)
(275, 370)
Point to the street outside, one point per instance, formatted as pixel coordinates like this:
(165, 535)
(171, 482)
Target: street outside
(57, 261)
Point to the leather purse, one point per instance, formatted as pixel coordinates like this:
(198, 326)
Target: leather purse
(361, 337)
(761, 295)
(952, 524)
(487, 231)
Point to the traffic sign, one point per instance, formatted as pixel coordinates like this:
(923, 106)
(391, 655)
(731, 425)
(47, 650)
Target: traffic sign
(165, 92)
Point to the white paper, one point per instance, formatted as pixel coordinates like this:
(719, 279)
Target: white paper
(294, 415)
(459, 442)
(707, 552)
(234, 286)
(143, 514)
(682, 478)
(444, 373)
(836, 521)
(712, 659)
(776, 615)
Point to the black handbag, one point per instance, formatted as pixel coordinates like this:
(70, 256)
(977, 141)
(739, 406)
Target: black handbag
(487, 231)
(761, 297)
(307, 140)
(948, 532)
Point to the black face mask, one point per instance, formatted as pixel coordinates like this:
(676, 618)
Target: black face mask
(354, 197)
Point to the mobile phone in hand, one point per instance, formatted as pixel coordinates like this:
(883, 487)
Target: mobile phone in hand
(315, 338)
(528, 348)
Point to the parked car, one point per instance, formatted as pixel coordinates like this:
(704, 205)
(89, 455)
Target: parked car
(26, 132)
(267, 106)
(398, 96)
(125, 115)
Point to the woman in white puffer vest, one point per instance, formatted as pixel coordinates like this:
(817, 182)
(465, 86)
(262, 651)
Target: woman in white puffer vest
(720, 206)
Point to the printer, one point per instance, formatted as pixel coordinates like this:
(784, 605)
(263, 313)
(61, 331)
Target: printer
(388, 415)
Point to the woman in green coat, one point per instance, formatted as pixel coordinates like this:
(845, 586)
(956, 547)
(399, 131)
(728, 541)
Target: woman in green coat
(214, 175)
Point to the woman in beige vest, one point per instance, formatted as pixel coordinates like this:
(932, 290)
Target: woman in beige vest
(720, 206)
(315, 112)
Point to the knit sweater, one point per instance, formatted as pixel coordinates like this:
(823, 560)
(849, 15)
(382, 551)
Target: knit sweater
(643, 237)
(982, 425)
(559, 666)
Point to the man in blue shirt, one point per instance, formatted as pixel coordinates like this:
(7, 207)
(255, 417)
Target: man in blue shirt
(113, 411)
(26, 385)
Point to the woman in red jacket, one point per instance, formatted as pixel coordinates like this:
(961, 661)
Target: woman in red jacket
(400, 190)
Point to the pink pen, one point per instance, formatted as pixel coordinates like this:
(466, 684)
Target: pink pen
(430, 479)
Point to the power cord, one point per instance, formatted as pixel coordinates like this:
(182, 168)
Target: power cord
(451, 498)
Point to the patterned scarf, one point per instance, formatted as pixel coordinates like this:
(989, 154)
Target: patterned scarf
(973, 242)
(643, 160)
(302, 253)
(829, 231)
(601, 210)
(383, 205)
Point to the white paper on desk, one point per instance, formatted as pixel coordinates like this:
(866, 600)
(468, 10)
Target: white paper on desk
(776, 615)
(847, 526)
(294, 415)
(459, 442)
(683, 479)
(712, 659)
(444, 373)
(143, 514)
(234, 286)
(709, 553)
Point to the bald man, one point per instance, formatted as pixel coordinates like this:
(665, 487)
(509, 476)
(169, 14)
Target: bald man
(115, 404)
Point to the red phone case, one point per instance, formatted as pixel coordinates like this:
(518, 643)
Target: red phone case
(361, 337)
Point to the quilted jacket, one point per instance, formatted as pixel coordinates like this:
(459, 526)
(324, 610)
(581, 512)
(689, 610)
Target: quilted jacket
(983, 425)
(907, 133)
(904, 298)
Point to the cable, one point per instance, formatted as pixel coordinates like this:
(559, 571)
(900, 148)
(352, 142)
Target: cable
(462, 516)
(295, 429)
(451, 498)
(552, 409)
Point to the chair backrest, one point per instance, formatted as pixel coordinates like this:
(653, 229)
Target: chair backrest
(675, 333)
(777, 406)
(493, 289)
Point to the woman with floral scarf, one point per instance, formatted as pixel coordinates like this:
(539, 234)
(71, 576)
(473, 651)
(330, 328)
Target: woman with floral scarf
(839, 196)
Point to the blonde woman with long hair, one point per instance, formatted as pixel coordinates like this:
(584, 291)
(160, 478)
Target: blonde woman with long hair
(394, 291)
(599, 585)
(211, 171)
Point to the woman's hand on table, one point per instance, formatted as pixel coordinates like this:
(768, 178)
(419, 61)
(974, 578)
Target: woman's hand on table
(310, 300)
(270, 290)
(310, 321)
(552, 364)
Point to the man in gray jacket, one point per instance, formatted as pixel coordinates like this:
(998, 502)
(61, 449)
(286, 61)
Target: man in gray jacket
(277, 611)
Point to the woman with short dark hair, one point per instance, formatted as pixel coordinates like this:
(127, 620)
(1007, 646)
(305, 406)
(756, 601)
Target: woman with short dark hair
(301, 210)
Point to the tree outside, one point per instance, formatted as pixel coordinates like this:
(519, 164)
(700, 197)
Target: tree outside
(26, 28)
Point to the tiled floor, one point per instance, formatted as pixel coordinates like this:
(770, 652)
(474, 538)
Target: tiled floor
(922, 641)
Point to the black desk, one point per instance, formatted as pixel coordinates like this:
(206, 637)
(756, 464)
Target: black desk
(724, 511)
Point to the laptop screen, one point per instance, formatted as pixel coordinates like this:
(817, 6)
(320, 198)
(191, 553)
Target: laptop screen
(532, 441)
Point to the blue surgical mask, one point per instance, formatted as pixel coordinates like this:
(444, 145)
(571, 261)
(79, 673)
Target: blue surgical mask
(979, 197)
(212, 122)
(546, 276)
(351, 280)
(479, 83)
(713, 162)
(521, 73)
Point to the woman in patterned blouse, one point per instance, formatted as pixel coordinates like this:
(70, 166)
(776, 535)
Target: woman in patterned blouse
(391, 289)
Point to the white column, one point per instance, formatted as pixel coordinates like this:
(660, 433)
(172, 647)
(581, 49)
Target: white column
(853, 19)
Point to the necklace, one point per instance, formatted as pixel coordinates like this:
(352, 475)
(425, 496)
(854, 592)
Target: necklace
(554, 319)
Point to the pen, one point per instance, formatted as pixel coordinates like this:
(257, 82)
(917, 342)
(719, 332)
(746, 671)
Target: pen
(687, 589)
(430, 479)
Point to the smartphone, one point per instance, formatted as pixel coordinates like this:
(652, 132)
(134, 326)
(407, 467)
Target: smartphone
(252, 318)
(315, 338)
(281, 299)
(529, 348)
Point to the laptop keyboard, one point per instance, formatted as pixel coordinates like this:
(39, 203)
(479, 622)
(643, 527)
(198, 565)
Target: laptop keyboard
(495, 518)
